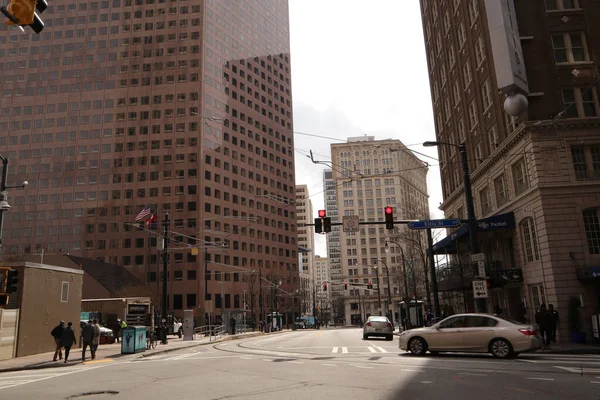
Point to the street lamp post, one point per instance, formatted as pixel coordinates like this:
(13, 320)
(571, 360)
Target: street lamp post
(165, 259)
(462, 148)
(390, 304)
(378, 291)
(4, 206)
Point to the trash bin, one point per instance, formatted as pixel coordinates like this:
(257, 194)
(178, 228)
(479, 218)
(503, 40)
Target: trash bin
(134, 340)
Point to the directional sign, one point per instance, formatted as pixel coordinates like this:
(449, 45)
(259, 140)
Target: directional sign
(434, 223)
(477, 257)
(481, 268)
(351, 223)
(480, 289)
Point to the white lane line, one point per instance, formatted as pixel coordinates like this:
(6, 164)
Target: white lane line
(360, 366)
(372, 350)
(594, 381)
(529, 361)
(334, 350)
(246, 358)
(52, 376)
(381, 349)
(468, 373)
(329, 365)
(411, 370)
(426, 382)
(295, 362)
(181, 357)
(344, 350)
(266, 359)
(540, 379)
(578, 370)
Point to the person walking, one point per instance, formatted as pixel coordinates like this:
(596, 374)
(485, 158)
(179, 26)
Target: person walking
(117, 331)
(87, 337)
(96, 339)
(542, 318)
(57, 335)
(553, 316)
(68, 339)
(232, 323)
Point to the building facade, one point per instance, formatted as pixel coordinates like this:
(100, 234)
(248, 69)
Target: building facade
(306, 241)
(371, 175)
(535, 178)
(333, 245)
(322, 297)
(185, 106)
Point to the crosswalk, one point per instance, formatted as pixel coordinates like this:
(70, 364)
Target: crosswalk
(17, 378)
(360, 350)
(577, 364)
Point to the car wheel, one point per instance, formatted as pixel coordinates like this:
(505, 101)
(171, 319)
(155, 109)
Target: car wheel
(417, 346)
(180, 333)
(500, 348)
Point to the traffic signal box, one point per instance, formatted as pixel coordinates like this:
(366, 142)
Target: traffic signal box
(389, 217)
(23, 13)
(323, 223)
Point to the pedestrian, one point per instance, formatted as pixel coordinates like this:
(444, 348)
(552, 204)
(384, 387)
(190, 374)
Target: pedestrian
(553, 316)
(96, 340)
(67, 339)
(117, 331)
(123, 326)
(57, 335)
(87, 337)
(542, 318)
(232, 323)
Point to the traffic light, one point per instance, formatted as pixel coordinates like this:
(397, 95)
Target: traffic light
(389, 218)
(322, 213)
(22, 13)
(12, 280)
(324, 287)
(369, 285)
(345, 285)
(326, 224)
(318, 225)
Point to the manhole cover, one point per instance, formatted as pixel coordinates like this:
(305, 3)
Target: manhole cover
(96, 393)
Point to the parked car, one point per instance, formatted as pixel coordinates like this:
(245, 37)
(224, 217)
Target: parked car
(106, 335)
(378, 326)
(476, 333)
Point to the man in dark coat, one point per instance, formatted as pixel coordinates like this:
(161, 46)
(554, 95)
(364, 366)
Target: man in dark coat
(543, 319)
(68, 339)
(57, 335)
(87, 337)
(553, 316)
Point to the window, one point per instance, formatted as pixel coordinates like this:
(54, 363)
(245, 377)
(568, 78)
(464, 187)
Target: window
(462, 36)
(486, 204)
(555, 5)
(591, 223)
(486, 95)
(467, 76)
(456, 92)
(537, 296)
(569, 48)
(473, 10)
(64, 292)
(501, 190)
(472, 115)
(530, 240)
(479, 51)
(177, 302)
(520, 178)
(191, 300)
(586, 162)
(580, 102)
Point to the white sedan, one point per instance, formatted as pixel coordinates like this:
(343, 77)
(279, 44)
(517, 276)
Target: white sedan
(476, 333)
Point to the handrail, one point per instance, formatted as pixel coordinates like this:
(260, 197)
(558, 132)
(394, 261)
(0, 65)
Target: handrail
(210, 330)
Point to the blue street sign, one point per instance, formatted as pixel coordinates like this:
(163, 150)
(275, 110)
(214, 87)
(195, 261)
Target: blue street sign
(434, 223)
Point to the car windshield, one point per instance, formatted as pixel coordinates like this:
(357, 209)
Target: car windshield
(378, 319)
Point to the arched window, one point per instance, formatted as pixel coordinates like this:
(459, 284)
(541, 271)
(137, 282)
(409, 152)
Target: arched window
(532, 252)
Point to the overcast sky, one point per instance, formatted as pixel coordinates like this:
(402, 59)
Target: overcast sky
(359, 68)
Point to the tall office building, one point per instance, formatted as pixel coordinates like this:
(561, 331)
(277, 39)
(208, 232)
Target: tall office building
(535, 178)
(369, 176)
(333, 245)
(306, 244)
(182, 105)
(322, 297)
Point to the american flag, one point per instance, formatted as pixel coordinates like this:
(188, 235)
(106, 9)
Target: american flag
(144, 213)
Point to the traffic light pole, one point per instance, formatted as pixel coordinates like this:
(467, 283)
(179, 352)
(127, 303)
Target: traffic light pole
(165, 257)
(3, 193)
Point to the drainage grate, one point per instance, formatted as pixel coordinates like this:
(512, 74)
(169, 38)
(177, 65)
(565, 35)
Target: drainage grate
(99, 392)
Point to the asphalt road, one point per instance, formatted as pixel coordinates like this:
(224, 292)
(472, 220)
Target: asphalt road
(324, 364)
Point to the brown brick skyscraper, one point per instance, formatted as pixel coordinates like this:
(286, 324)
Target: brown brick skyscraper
(183, 105)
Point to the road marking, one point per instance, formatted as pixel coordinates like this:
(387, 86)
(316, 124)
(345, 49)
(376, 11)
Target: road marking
(344, 350)
(329, 365)
(540, 379)
(381, 349)
(246, 358)
(295, 362)
(44, 376)
(411, 370)
(360, 366)
(468, 373)
(594, 381)
(579, 370)
(334, 350)
(426, 382)
(372, 350)
(529, 361)
(319, 335)
(517, 389)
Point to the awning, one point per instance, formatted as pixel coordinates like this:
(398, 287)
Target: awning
(494, 223)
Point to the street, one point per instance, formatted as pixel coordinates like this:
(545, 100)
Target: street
(316, 364)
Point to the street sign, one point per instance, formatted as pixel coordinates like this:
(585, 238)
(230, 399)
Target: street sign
(480, 289)
(351, 223)
(209, 306)
(481, 268)
(477, 257)
(434, 223)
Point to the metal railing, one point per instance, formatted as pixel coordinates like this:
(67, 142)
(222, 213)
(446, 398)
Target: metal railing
(210, 331)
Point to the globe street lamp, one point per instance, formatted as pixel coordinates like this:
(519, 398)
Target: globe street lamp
(481, 303)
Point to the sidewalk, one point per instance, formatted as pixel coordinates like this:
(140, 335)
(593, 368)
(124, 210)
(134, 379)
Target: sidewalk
(572, 348)
(110, 352)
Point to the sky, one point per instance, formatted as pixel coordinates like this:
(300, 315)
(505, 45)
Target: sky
(359, 68)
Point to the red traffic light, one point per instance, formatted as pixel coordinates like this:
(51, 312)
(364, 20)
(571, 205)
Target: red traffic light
(322, 213)
(389, 210)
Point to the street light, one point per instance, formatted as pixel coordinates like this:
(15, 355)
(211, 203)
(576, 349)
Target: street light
(4, 206)
(462, 148)
(390, 306)
(378, 290)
